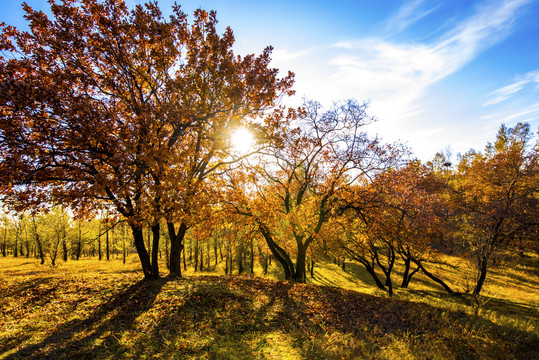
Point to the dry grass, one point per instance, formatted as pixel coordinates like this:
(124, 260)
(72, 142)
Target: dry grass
(100, 310)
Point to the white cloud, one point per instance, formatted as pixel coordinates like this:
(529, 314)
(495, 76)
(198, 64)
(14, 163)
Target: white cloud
(395, 76)
(283, 55)
(407, 14)
(530, 110)
(506, 92)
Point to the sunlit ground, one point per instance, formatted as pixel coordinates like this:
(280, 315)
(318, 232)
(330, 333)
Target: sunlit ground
(100, 309)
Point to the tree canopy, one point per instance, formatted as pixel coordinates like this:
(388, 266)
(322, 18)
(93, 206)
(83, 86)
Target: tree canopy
(103, 103)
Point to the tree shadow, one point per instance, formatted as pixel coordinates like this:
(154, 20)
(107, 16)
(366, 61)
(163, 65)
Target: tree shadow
(207, 320)
(230, 317)
(85, 338)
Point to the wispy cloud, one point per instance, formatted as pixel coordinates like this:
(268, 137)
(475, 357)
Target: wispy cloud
(526, 112)
(508, 91)
(283, 55)
(398, 74)
(408, 14)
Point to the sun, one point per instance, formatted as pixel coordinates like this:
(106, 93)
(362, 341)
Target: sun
(242, 140)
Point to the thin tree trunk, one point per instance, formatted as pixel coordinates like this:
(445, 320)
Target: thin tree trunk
(38, 241)
(201, 267)
(107, 245)
(482, 275)
(15, 249)
(99, 242)
(4, 253)
(434, 278)
(64, 249)
(124, 250)
(79, 244)
(252, 256)
(184, 260)
(176, 247)
(27, 242)
(167, 253)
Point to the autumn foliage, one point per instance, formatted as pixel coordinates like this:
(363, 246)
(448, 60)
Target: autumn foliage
(103, 103)
(107, 110)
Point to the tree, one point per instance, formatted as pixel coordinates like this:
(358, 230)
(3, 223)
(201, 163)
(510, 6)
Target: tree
(58, 221)
(415, 216)
(497, 194)
(106, 104)
(293, 189)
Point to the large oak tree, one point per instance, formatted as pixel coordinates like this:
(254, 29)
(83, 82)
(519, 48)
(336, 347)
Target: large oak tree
(103, 103)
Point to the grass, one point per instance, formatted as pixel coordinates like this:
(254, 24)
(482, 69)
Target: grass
(101, 310)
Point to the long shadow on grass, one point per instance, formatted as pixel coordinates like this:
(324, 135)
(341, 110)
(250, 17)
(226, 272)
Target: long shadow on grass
(231, 317)
(94, 336)
(503, 306)
(209, 319)
(226, 317)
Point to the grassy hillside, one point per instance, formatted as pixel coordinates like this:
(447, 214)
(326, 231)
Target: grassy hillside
(99, 310)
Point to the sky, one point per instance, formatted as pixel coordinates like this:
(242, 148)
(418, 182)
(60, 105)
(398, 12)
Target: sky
(438, 74)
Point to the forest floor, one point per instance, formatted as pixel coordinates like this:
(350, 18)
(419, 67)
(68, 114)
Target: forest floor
(91, 309)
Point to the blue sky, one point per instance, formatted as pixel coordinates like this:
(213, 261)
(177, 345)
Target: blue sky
(436, 73)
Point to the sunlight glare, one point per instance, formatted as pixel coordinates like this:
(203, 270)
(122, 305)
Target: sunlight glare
(242, 140)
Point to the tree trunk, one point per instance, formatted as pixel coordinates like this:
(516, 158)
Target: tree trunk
(368, 266)
(27, 243)
(99, 242)
(149, 240)
(38, 242)
(138, 236)
(15, 247)
(252, 249)
(4, 254)
(201, 266)
(239, 256)
(155, 249)
(299, 274)
(195, 255)
(215, 250)
(64, 249)
(184, 260)
(107, 245)
(124, 250)
(167, 253)
(280, 254)
(312, 268)
(407, 275)
(176, 247)
(434, 278)
(482, 275)
(79, 244)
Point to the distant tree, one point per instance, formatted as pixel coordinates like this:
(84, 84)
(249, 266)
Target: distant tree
(5, 225)
(415, 215)
(497, 194)
(37, 225)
